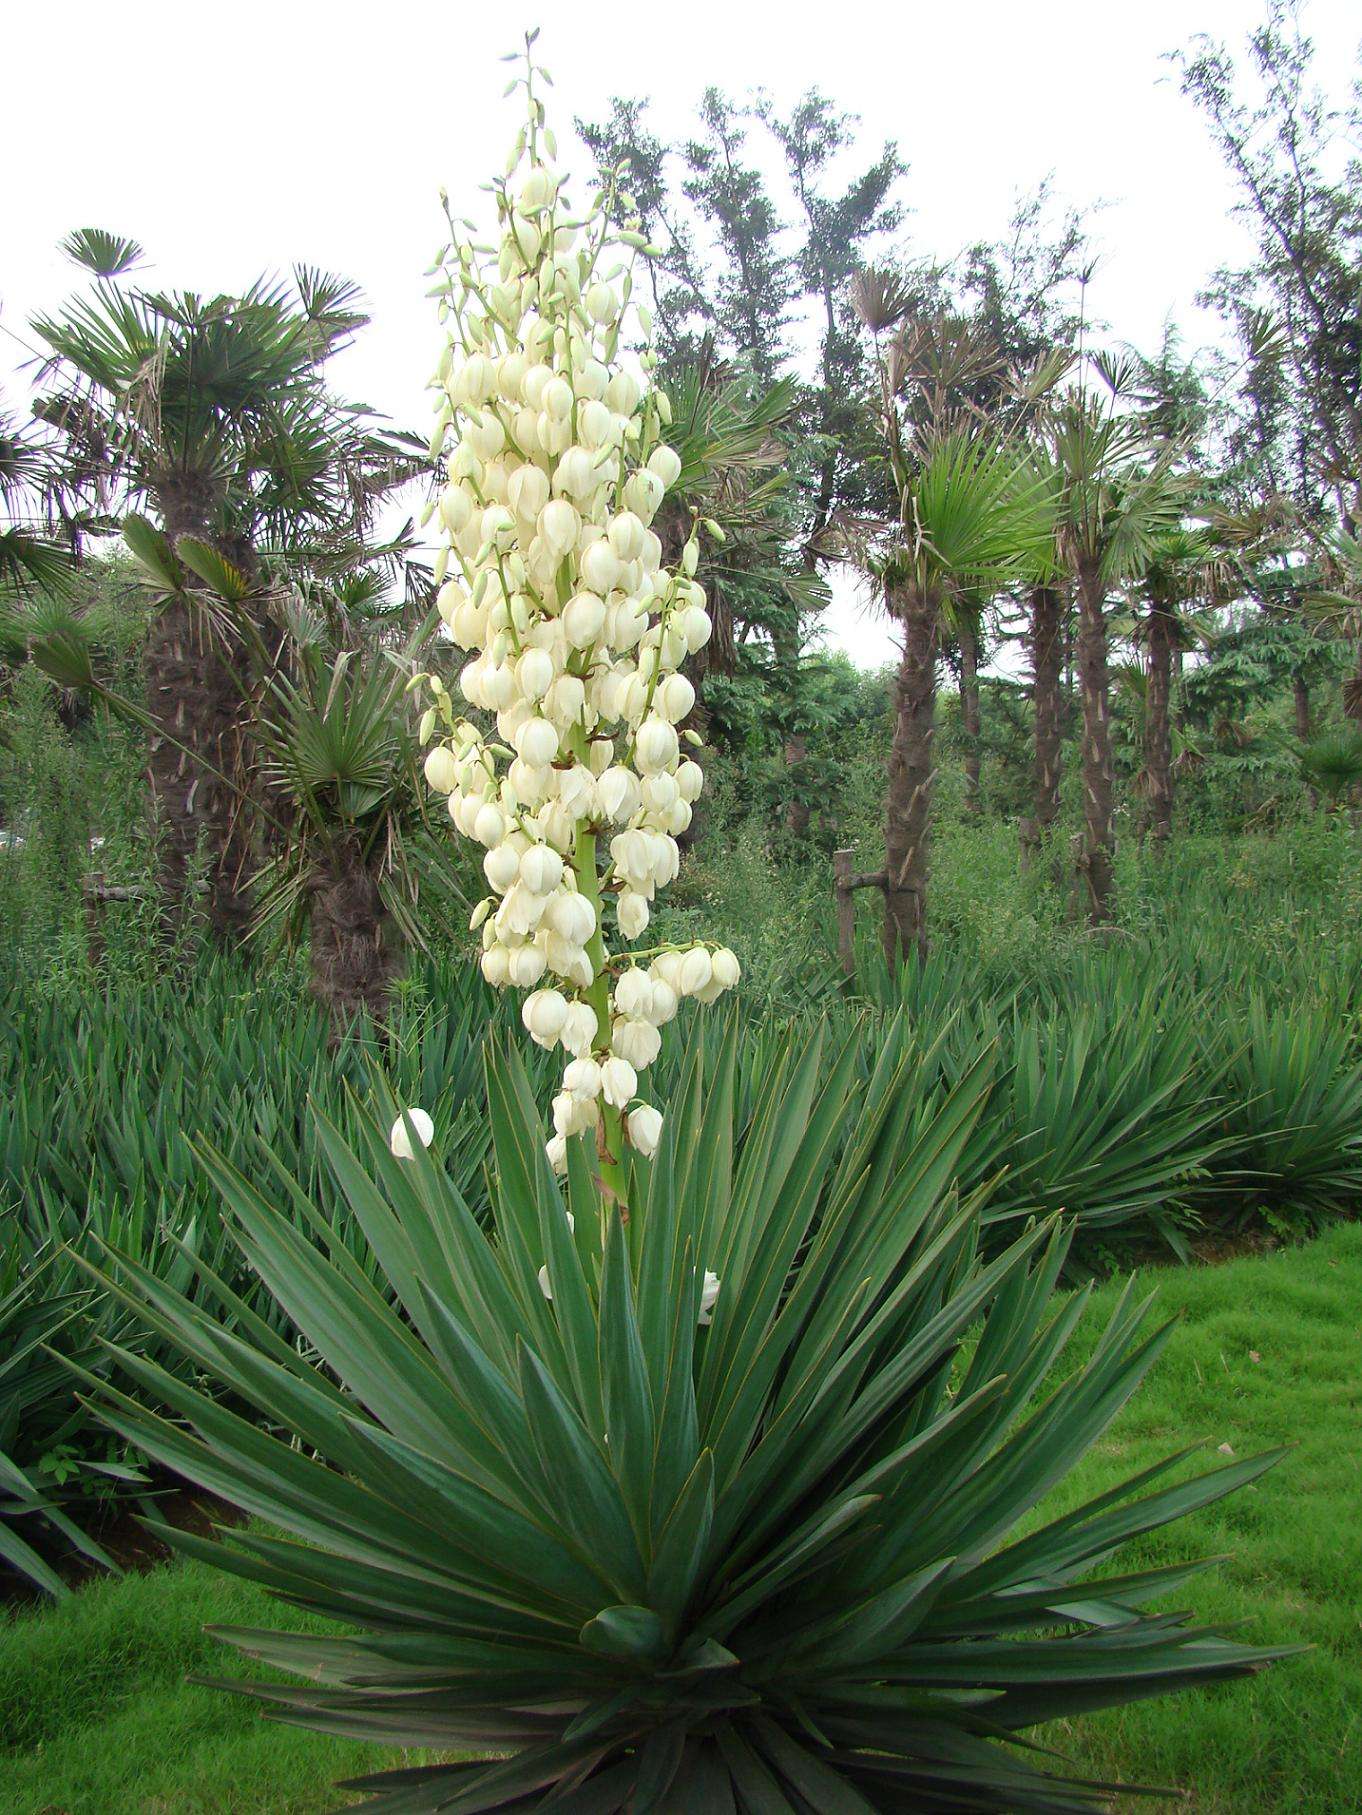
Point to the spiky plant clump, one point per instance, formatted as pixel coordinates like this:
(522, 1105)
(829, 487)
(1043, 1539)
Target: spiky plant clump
(642, 1541)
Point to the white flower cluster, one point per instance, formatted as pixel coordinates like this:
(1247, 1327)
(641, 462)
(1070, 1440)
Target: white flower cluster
(553, 581)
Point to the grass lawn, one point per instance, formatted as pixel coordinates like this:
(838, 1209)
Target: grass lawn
(98, 1719)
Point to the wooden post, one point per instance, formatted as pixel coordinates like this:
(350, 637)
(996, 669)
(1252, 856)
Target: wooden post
(94, 929)
(846, 911)
(846, 882)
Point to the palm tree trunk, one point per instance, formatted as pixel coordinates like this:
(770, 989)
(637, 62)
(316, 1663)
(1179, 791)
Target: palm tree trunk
(1098, 802)
(1352, 689)
(353, 954)
(1158, 737)
(1047, 665)
(195, 683)
(908, 795)
(1300, 695)
(969, 715)
(796, 808)
(193, 698)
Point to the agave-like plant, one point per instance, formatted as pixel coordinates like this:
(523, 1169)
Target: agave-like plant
(708, 1506)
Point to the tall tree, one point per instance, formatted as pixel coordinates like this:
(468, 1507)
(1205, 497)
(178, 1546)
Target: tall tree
(1115, 496)
(967, 512)
(1025, 289)
(1294, 162)
(837, 227)
(1186, 569)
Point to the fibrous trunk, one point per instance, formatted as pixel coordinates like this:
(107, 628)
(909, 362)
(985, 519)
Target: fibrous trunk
(1352, 689)
(1300, 694)
(908, 796)
(1158, 736)
(1047, 664)
(353, 953)
(199, 765)
(969, 713)
(194, 754)
(1099, 837)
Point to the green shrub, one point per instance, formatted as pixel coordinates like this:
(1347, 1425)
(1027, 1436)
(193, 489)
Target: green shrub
(1292, 1121)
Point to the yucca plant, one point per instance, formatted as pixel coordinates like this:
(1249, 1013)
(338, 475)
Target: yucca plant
(1108, 1113)
(45, 1468)
(1332, 764)
(1292, 1119)
(713, 1507)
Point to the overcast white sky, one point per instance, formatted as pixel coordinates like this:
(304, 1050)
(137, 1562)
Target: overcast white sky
(235, 139)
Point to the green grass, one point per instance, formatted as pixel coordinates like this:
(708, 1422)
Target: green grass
(1268, 1351)
(101, 1721)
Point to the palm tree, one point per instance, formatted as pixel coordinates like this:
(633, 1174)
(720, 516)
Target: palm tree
(364, 869)
(1116, 494)
(1047, 611)
(355, 858)
(965, 514)
(212, 413)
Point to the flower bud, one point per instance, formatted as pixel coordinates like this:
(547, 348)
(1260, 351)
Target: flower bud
(619, 1081)
(645, 1129)
(625, 532)
(527, 492)
(725, 967)
(558, 525)
(495, 965)
(544, 1014)
(579, 1028)
(501, 866)
(655, 746)
(665, 463)
(534, 673)
(622, 393)
(583, 616)
(489, 826)
(600, 565)
(637, 1041)
(697, 969)
(690, 779)
(557, 399)
(541, 870)
(632, 911)
(525, 966)
(709, 1297)
(537, 742)
(572, 917)
(442, 769)
(583, 1078)
(634, 993)
(665, 1002)
(399, 1139)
